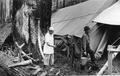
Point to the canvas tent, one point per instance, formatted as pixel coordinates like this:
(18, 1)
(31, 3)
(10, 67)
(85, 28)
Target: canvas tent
(71, 20)
(109, 18)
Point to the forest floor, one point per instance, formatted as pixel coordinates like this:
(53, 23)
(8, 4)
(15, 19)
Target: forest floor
(62, 67)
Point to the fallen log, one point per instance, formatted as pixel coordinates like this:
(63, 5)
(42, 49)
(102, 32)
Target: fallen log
(27, 62)
(26, 54)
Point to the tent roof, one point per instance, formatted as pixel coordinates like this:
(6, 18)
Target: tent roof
(71, 20)
(110, 16)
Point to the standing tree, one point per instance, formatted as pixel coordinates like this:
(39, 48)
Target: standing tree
(64, 3)
(45, 16)
(25, 29)
(16, 5)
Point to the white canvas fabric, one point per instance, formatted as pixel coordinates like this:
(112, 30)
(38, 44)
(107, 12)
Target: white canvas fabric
(110, 16)
(71, 20)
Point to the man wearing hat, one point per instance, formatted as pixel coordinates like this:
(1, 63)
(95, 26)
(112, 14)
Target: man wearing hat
(49, 47)
(86, 44)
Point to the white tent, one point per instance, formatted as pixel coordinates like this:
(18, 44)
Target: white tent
(71, 20)
(110, 16)
(78, 16)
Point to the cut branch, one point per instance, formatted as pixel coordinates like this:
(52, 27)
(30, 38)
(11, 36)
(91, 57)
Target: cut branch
(21, 63)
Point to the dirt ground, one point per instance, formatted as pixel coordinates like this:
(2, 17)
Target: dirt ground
(63, 68)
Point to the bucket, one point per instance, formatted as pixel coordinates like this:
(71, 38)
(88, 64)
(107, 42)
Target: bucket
(84, 60)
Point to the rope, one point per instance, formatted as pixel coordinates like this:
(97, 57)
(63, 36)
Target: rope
(116, 40)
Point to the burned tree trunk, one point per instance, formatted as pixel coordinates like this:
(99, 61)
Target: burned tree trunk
(45, 16)
(63, 3)
(26, 28)
(15, 7)
(42, 16)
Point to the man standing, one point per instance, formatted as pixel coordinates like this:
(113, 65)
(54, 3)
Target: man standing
(86, 43)
(49, 47)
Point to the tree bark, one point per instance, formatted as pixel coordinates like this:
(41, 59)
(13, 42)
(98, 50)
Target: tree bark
(45, 16)
(42, 12)
(57, 4)
(63, 3)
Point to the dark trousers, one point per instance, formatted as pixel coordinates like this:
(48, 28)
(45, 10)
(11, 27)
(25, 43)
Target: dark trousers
(91, 53)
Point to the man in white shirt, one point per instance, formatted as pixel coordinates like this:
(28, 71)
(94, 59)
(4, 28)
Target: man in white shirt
(49, 47)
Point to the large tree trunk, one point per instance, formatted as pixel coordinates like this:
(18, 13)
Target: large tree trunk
(15, 7)
(45, 16)
(26, 29)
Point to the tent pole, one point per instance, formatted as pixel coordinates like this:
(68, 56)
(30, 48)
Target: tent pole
(103, 69)
(106, 65)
